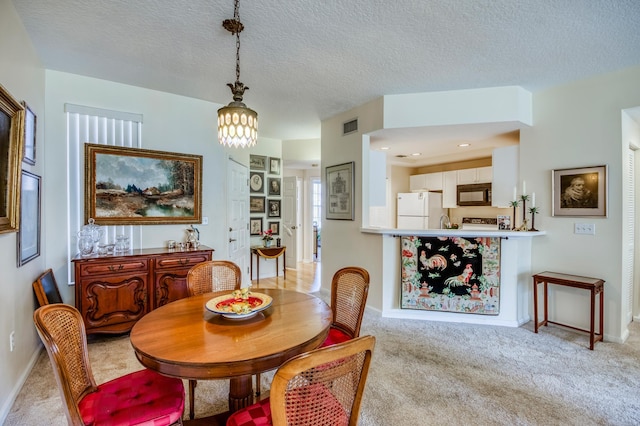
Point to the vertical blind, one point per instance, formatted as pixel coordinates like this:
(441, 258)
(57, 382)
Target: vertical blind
(96, 126)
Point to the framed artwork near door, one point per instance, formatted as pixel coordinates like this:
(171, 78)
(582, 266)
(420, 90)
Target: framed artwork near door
(274, 208)
(256, 182)
(274, 186)
(274, 166)
(340, 191)
(275, 228)
(255, 226)
(256, 204)
(29, 154)
(257, 162)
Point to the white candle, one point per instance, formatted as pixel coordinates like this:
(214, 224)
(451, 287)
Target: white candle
(524, 188)
(533, 199)
(515, 193)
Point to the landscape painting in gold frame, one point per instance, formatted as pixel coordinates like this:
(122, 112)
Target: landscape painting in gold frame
(11, 137)
(132, 186)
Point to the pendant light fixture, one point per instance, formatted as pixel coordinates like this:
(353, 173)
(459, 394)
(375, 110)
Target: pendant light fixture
(237, 124)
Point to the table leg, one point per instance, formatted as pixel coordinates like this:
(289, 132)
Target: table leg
(546, 303)
(277, 271)
(592, 322)
(602, 314)
(535, 305)
(284, 263)
(258, 269)
(240, 393)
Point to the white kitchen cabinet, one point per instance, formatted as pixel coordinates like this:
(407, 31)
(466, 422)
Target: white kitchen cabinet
(505, 175)
(475, 175)
(426, 182)
(449, 189)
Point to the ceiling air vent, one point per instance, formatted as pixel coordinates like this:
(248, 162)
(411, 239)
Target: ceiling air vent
(350, 127)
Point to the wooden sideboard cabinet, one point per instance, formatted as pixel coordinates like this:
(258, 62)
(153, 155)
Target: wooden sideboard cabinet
(113, 292)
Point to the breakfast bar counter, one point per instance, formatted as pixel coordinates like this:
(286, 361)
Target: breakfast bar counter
(507, 260)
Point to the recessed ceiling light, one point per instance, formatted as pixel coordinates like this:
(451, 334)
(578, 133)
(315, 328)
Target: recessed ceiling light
(462, 145)
(384, 148)
(416, 154)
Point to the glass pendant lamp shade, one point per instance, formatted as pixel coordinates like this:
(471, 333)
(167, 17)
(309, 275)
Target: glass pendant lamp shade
(237, 125)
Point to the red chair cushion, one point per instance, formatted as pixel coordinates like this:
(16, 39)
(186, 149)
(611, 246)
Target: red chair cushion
(335, 336)
(312, 399)
(141, 398)
(256, 414)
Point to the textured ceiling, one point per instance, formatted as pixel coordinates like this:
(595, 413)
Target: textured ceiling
(307, 60)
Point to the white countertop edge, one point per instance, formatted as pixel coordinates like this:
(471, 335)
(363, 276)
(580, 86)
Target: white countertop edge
(451, 232)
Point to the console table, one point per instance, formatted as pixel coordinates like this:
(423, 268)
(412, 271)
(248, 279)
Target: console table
(594, 285)
(115, 291)
(268, 253)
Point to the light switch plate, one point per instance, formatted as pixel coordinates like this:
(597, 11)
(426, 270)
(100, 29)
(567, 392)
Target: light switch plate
(585, 228)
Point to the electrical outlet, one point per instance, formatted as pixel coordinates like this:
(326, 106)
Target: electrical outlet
(205, 220)
(585, 228)
(12, 341)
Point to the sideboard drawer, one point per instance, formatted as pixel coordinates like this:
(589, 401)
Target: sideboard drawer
(180, 260)
(124, 266)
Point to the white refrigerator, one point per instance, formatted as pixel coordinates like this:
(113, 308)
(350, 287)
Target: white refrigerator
(419, 210)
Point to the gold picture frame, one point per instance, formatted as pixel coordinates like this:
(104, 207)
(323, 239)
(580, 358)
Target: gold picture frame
(11, 146)
(132, 186)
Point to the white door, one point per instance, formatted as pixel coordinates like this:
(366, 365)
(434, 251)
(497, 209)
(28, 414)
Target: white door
(290, 222)
(238, 217)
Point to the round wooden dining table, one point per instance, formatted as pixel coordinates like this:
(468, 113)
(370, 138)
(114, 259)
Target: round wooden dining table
(184, 339)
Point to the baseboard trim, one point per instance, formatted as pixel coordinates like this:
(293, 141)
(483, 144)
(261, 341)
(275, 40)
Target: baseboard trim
(6, 408)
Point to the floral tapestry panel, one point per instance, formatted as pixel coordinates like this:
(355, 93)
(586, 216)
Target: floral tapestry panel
(452, 274)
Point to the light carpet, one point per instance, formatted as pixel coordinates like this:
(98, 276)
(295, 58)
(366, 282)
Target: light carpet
(431, 373)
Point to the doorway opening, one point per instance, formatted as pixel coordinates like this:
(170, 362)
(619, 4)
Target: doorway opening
(316, 217)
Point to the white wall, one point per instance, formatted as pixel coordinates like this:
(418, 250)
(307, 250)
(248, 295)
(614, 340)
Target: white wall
(171, 123)
(23, 77)
(578, 125)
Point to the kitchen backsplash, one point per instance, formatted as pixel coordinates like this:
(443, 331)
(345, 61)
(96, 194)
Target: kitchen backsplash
(456, 215)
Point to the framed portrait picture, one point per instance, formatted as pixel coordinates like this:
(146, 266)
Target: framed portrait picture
(340, 194)
(580, 192)
(274, 208)
(274, 166)
(257, 162)
(256, 182)
(274, 186)
(29, 232)
(255, 226)
(256, 205)
(29, 152)
(131, 186)
(275, 228)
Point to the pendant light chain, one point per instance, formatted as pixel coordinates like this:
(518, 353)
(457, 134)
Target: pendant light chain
(240, 27)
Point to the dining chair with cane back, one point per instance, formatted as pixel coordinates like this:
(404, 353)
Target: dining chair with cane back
(213, 275)
(205, 277)
(142, 397)
(349, 291)
(46, 289)
(321, 387)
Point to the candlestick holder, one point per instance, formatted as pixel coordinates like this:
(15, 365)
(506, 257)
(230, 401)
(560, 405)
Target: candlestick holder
(514, 204)
(533, 211)
(524, 198)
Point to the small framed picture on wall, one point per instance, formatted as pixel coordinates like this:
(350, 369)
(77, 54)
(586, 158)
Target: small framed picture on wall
(255, 226)
(275, 228)
(274, 166)
(274, 186)
(256, 205)
(274, 208)
(256, 182)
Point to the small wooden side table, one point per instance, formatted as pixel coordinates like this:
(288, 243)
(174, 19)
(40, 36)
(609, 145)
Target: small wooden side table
(268, 253)
(594, 285)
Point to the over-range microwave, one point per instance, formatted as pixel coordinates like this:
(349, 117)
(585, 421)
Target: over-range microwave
(477, 194)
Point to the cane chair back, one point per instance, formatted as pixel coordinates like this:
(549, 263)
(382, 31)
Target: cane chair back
(46, 289)
(349, 291)
(321, 387)
(143, 396)
(213, 275)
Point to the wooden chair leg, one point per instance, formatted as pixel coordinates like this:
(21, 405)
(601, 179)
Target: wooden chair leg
(258, 384)
(192, 392)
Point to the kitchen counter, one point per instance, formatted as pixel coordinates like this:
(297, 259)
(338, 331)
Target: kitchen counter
(515, 276)
(453, 232)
